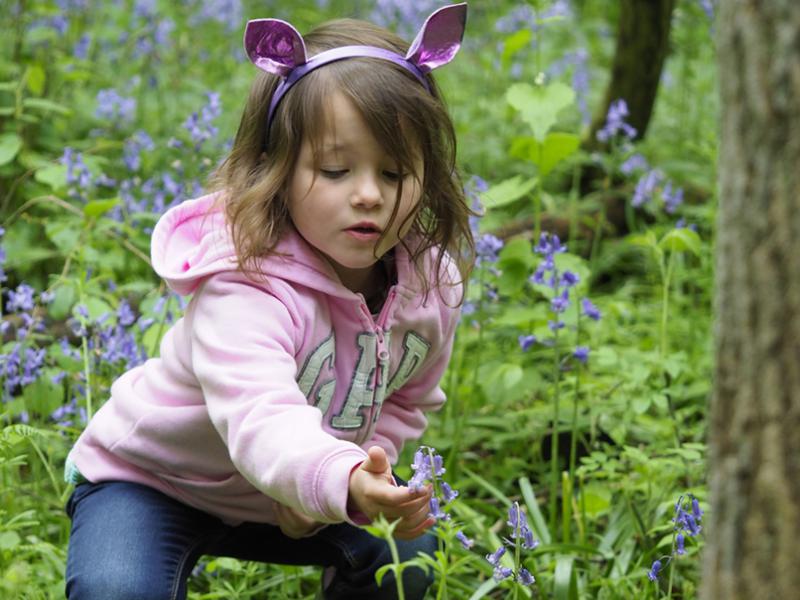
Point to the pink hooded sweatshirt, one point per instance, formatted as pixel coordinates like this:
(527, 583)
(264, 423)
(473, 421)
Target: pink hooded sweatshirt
(269, 391)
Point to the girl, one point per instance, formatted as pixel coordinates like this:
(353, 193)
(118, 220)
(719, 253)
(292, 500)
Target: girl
(324, 301)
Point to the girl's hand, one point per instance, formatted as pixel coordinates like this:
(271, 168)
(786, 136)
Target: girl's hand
(294, 524)
(373, 492)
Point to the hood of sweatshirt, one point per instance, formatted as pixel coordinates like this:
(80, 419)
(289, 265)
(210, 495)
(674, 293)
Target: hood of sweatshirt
(192, 241)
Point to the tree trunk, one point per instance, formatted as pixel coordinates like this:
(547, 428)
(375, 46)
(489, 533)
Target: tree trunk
(754, 521)
(642, 45)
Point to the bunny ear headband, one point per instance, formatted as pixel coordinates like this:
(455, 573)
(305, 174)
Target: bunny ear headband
(276, 47)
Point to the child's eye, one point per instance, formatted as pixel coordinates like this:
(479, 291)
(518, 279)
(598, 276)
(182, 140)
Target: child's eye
(392, 175)
(333, 173)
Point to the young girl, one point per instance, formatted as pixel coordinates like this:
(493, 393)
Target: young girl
(324, 302)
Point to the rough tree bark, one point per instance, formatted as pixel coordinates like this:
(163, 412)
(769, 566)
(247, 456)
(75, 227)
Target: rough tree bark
(642, 46)
(754, 472)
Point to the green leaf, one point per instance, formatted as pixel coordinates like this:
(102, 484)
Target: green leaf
(54, 175)
(96, 208)
(507, 191)
(537, 520)
(36, 79)
(46, 106)
(681, 240)
(556, 147)
(511, 374)
(9, 540)
(540, 105)
(565, 581)
(486, 587)
(10, 144)
(513, 44)
(63, 233)
(595, 499)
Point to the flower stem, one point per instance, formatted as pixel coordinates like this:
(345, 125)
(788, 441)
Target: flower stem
(398, 573)
(554, 478)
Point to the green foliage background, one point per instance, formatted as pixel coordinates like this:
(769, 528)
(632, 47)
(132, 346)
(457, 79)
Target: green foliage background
(636, 410)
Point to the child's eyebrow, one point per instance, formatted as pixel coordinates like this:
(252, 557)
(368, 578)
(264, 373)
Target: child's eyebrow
(335, 147)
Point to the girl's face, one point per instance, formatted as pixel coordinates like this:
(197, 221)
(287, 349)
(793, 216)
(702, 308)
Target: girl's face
(342, 205)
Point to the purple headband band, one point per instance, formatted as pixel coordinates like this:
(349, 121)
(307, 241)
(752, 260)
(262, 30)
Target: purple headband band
(276, 47)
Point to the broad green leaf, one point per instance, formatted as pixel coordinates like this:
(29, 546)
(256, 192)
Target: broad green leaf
(96, 208)
(507, 191)
(681, 240)
(486, 587)
(556, 147)
(565, 582)
(9, 540)
(512, 374)
(10, 144)
(640, 403)
(64, 299)
(36, 79)
(540, 105)
(54, 175)
(595, 499)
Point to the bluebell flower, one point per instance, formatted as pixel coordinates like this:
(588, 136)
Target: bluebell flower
(114, 107)
(635, 162)
(696, 511)
(528, 542)
(560, 303)
(524, 577)
(500, 573)
(472, 190)
(646, 187)
(77, 172)
(708, 8)
(516, 519)
(672, 198)
(404, 16)
(581, 353)
(125, 316)
(227, 12)
(448, 493)
(590, 310)
(556, 325)
(21, 299)
(436, 511)
(615, 122)
(654, 569)
(680, 540)
(133, 147)
(81, 48)
(494, 557)
(487, 248)
(466, 542)
(200, 125)
(526, 341)
(569, 279)
(549, 245)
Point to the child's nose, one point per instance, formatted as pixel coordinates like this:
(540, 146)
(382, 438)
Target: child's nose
(368, 192)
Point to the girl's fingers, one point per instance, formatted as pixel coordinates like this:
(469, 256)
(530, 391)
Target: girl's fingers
(410, 534)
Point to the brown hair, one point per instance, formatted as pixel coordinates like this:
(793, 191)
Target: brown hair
(402, 115)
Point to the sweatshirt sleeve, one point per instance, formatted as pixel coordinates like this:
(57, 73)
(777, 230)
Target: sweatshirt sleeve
(243, 349)
(403, 413)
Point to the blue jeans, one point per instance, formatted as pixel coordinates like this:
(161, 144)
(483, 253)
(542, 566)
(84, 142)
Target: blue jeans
(131, 541)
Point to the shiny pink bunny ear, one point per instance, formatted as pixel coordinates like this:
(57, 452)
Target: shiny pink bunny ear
(274, 46)
(439, 40)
